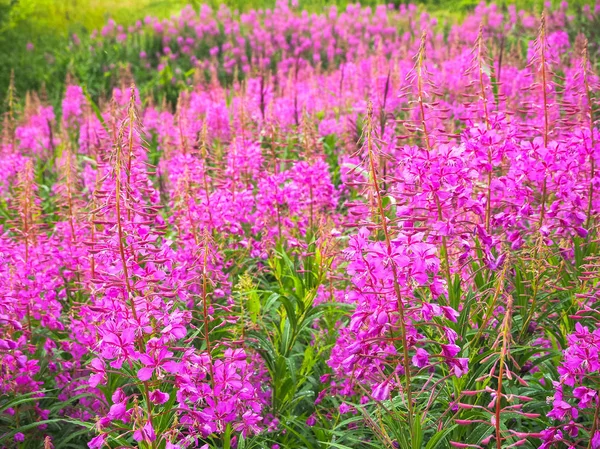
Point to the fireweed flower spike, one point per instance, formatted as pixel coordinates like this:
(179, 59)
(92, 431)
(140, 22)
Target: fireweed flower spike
(136, 287)
(386, 275)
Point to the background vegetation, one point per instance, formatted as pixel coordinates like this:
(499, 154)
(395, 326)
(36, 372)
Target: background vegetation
(37, 36)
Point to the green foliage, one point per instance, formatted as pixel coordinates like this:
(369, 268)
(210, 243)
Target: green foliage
(282, 315)
(284, 337)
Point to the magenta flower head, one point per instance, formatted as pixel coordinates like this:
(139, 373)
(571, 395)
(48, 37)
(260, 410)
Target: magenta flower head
(170, 445)
(145, 434)
(421, 358)
(158, 397)
(596, 440)
(344, 408)
(97, 442)
(117, 411)
(157, 361)
(381, 392)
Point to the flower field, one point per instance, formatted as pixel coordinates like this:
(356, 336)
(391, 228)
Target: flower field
(357, 228)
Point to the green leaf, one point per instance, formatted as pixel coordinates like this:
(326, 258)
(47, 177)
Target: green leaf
(253, 306)
(95, 107)
(438, 436)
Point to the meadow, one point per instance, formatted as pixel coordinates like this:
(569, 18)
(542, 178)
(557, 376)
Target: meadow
(342, 227)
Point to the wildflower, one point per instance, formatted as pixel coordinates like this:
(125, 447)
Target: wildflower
(145, 434)
(97, 442)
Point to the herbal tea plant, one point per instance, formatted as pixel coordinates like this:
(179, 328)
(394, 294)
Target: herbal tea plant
(352, 229)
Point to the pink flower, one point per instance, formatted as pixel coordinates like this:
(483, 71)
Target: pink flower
(381, 392)
(117, 411)
(421, 358)
(158, 397)
(596, 440)
(145, 434)
(344, 408)
(155, 361)
(97, 442)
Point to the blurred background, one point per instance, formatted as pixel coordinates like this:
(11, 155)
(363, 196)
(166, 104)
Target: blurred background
(42, 42)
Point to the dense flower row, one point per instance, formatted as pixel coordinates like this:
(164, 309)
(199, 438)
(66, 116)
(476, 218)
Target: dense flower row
(456, 174)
